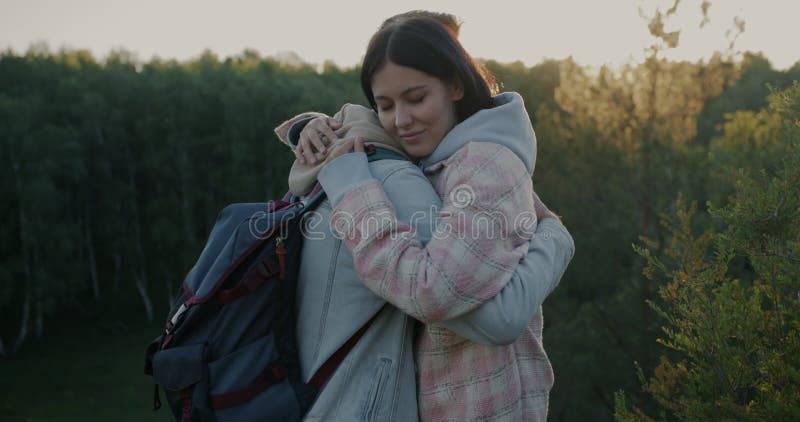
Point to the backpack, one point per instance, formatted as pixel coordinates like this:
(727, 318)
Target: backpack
(228, 350)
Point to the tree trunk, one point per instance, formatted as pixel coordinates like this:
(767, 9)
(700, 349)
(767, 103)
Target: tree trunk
(23, 326)
(39, 315)
(117, 270)
(186, 191)
(92, 258)
(141, 278)
(141, 287)
(23, 331)
(29, 281)
(170, 291)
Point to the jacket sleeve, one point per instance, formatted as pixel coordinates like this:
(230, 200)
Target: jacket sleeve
(503, 318)
(413, 197)
(478, 241)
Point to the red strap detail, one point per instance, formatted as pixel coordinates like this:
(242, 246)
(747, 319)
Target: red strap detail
(280, 250)
(281, 205)
(329, 367)
(275, 205)
(252, 281)
(186, 396)
(167, 341)
(231, 268)
(189, 293)
(271, 376)
(316, 190)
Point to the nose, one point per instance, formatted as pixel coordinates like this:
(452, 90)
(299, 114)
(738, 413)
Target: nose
(402, 116)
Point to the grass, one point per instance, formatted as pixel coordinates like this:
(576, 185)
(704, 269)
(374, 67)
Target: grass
(81, 374)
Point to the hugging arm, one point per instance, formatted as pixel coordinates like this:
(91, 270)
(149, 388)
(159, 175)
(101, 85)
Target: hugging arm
(459, 268)
(504, 317)
(501, 319)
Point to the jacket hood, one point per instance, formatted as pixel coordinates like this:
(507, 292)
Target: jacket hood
(507, 123)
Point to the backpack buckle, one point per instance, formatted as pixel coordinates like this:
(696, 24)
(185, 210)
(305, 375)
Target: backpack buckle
(176, 318)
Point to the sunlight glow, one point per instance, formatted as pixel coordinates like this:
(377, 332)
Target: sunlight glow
(592, 32)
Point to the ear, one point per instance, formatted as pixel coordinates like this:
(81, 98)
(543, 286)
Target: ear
(457, 90)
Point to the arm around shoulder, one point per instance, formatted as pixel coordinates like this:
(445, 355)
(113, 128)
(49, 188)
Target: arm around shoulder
(460, 268)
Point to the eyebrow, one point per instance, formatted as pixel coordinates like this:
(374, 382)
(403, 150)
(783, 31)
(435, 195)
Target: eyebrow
(406, 91)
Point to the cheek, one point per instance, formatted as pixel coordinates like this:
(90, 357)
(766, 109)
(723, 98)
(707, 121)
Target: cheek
(387, 121)
(448, 115)
(438, 111)
(435, 119)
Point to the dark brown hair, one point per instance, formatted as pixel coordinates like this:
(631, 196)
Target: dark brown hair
(449, 21)
(424, 44)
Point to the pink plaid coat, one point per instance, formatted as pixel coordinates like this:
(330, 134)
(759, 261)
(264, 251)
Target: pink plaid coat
(482, 232)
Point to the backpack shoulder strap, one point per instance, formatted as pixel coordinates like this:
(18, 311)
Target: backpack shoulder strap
(375, 153)
(329, 367)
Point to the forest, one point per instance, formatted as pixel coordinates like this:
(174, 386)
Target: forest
(679, 181)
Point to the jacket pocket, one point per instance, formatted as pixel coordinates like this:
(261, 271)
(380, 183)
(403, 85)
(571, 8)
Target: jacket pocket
(373, 403)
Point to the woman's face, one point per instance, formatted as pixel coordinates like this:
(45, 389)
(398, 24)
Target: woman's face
(414, 107)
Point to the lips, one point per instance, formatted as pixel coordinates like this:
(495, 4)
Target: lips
(412, 137)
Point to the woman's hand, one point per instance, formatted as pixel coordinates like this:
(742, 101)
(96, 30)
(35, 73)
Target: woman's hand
(345, 145)
(317, 134)
(542, 211)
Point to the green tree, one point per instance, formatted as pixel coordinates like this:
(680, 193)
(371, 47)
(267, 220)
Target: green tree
(631, 135)
(734, 330)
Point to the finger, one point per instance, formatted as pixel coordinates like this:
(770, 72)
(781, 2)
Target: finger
(333, 123)
(299, 156)
(305, 149)
(342, 147)
(318, 143)
(328, 133)
(359, 144)
(312, 128)
(303, 143)
(346, 145)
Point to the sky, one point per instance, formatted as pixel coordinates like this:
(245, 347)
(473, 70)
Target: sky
(593, 32)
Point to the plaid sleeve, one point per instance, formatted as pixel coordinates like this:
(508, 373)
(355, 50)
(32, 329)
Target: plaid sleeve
(482, 232)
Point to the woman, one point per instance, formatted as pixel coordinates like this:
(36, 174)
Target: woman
(376, 381)
(479, 153)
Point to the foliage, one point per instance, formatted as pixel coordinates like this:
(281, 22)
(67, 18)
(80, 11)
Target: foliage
(735, 330)
(112, 172)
